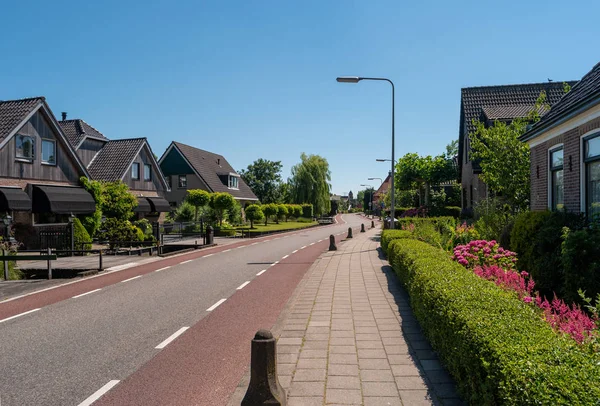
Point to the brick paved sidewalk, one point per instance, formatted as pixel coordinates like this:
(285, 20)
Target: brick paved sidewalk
(350, 337)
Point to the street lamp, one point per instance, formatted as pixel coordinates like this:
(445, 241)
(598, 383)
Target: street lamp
(7, 220)
(356, 79)
(383, 160)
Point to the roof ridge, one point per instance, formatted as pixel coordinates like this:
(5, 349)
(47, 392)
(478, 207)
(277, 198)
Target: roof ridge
(129, 139)
(196, 148)
(25, 99)
(522, 84)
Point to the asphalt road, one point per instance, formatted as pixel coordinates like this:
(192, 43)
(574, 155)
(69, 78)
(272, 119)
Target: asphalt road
(101, 335)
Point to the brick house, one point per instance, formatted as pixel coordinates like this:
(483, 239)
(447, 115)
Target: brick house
(488, 104)
(129, 160)
(565, 151)
(39, 169)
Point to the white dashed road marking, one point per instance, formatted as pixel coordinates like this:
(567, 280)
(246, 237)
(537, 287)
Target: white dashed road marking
(213, 307)
(130, 279)
(19, 315)
(98, 394)
(171, 338)
(243, 285)
(162, 269)
(86, 293)
(261, 272)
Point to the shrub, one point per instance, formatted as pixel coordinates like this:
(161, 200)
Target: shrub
(118, 231)
(461, 235)
(451, 211)
(221, 202)
(415, 212)
(581, 263)
(92, 222)
(290, 211)
(441, 224)
(537, 239)
(197, 198)
(497, 348)
(254, 213)
(269, 210)
(184, 213)
(9, 249)
(388, 236)
(307, 210)
(484, 253)
(81, 236)
(493, 217)
(26, 235)
(298, 211)
(282, 211)
(234, 213)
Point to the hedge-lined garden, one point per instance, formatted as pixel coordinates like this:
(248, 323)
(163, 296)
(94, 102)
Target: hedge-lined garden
(503, 343)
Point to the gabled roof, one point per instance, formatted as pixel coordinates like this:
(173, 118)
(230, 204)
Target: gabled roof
(510, 101)
(213, 169)
(581, 96)
(113, 160)
(14, 112)
(76, 130)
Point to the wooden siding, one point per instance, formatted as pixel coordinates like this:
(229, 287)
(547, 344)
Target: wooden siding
(88, 150)
(65, 170)
(135, 184)
(178, 195)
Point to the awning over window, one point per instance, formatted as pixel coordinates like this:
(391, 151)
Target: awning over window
(158, 204)
(143, 206)
(14, 199)
(62, 200)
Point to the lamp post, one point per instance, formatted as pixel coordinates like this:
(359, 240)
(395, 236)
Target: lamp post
(356, 79)
(381, 180)
(371, 192)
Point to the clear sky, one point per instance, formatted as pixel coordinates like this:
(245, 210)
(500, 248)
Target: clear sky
(256, 79)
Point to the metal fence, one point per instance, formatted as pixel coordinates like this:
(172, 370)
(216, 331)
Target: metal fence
(55, 236)
(171, 232)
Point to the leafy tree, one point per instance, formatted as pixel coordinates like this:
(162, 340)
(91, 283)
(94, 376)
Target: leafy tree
(254, 213)
(117, 202)
(360, 198)
(309, 183)
(220, 202)
(284, 193)
(417, 172)
(367, 197)
(197, 198)
(264, 178)
(282, 211)
(184, 213)
(290, 211)
(269, 210)
(234, 214)
(452, 149)
(91, 222)
(297, 211)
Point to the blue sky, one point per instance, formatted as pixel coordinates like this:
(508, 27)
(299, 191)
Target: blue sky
(256, 79)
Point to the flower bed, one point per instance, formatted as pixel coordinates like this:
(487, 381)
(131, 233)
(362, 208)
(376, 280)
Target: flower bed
(496, 346)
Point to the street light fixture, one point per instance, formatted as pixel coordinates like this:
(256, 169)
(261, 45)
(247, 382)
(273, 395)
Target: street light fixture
(356, 79)
(383, 160)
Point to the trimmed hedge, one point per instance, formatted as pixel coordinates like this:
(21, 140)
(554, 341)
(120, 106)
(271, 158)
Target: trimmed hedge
(498, 349)
(387, 236)
(441, 223)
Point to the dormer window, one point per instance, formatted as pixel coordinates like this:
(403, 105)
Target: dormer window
(25, 147)
(233, 182)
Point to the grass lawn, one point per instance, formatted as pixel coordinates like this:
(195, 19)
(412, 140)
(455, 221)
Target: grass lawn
(283, 225)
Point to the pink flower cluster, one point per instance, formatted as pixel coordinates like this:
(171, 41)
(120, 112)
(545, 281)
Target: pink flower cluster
(567, 319)
(482, 252)
(511, 280)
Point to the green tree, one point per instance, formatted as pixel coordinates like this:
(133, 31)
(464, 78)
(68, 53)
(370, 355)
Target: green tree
(284, 193)
(309, 183)
(297, 211)
(184, 213)
(92, 222)
(282, 211)
(117, 202)
(220, 202)
(417, 172)
(290, 211)
(254, 213)
(269, 210)
(197, 198)
(264, 178)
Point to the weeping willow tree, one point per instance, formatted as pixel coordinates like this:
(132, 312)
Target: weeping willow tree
(310, 183)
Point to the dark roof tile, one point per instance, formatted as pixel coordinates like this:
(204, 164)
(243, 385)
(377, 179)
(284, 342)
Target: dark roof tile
(12, 112)
(114, 159)
(76, 129)
(213, 168)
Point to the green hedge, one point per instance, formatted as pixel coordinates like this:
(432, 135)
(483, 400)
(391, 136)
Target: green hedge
(497, 348)
(81, 236)
(440, 223)
(387, 236)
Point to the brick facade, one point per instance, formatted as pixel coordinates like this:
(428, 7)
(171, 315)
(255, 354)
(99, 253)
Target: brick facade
(571, 141)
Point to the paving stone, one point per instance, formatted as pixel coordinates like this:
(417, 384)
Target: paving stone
(318, 354)
(368, 336)
(410, 382)
(415, 398)
(285, 369)
(371, 353)
(316, 337)
(369, 344)
(439, 376)
(285, 380)
(405, 370)
(307, 389)
(445, 390)
(305, 401)
(420, 345)
(342, 341)
(431, 365)
(383, 401)
(288, 341)
(373, 364)
(376, 375)
(312, 363)
(379, 389)
(343, 396)
(309, 375)
(292, 334)
(400, 359)
(315, 345)
(426, 355)
(343, 382)
(342, 369)
(396, 349)
(342, 359)
(287, 358)
(342, 349)
(342, 334)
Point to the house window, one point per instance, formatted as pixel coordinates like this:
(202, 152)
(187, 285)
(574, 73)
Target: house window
(592, 175)
(556, 179)
(182, 181)
(49, 152)
(168, 179)
(135, 171)
(147, 172)
(233, 182)
(25, 146)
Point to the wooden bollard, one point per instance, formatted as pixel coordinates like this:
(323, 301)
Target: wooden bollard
(264, 388)
(332, 246)
(362, 227)
(349, 232)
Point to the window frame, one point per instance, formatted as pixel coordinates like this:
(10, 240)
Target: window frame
(551, 171)
(168, 181)
(179, 178)
(53, 142)
(584, 162)
(25, 158)
(149, 177)
(237, 182)
(135, 165)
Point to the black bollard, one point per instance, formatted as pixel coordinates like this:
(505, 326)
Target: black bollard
(264, 388)
(332, 246)
(372, 224)
(209, 235)
(349, 232)
(362, 227)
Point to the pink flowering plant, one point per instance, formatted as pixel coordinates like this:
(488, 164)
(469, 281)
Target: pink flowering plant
(482, 253)
(509, 280)
(567, 319)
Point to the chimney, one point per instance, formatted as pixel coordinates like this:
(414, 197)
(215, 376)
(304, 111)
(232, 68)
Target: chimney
(64, 115)
(218, 161)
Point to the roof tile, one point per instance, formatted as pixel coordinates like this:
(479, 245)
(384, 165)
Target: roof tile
(114, 159)
(12, 112)
(76, 129)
